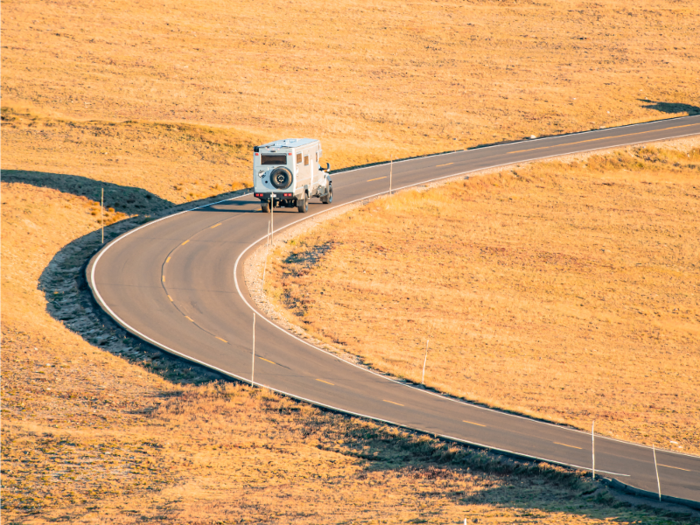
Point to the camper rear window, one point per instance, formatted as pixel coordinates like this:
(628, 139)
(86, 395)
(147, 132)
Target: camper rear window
(268, 160)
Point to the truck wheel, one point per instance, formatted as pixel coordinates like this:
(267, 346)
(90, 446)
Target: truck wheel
(281, 178)
(328, 197)
(303, 205)
(265, 206)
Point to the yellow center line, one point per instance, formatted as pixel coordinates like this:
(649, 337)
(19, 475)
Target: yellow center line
(387, 401)
(272, 362)
(188, 317)
(167, 260)
(441, 165)
(219, 224)
(219, 338)
(472, 423)
(170, 298)
(322, 381)
(185, 242)
(600, 138)
(380, 178)
(677, 468)
(565, 445)
(164, 278)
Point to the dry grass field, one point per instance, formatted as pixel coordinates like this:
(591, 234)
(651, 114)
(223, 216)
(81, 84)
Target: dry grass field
(372, 79)
(159, 104)
(568, 291)
(143, 166)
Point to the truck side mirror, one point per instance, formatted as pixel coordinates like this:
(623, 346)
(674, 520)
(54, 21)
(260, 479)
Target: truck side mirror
(328, 167)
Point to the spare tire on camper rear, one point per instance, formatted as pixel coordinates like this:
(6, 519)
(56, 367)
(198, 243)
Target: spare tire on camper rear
(281, 178)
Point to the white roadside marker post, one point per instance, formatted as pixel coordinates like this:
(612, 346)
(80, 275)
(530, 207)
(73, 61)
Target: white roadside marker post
(593, 446)
(267, 251)
(656, 468)
(102, 214)
(391, 172)
(272, 216)
(252, 375)
(425, 360)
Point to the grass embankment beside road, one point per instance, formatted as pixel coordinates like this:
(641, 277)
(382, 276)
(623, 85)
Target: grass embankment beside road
(568, 291)
(371, 79)
(143, 166)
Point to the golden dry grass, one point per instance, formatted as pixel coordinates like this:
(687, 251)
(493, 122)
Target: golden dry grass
(133, 160)
(160, 104)
(372, 79)
(566, 291)
(90, 437)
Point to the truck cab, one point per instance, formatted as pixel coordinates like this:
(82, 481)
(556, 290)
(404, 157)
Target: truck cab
(287, 173)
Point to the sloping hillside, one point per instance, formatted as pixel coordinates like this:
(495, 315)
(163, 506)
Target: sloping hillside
(563, 290)
(159, 105)
(372, 79)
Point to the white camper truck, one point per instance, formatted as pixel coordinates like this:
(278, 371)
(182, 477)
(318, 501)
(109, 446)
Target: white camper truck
(287, 173)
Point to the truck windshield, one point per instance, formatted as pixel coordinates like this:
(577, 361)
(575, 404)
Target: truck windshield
(269, 160)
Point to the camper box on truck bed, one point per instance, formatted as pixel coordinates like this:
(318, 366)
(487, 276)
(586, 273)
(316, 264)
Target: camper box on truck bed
(287, 173)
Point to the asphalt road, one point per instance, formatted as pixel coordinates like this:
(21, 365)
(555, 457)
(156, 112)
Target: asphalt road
(178, 283)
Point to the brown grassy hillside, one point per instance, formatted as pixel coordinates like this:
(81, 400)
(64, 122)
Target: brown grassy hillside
(373, 79)
(567, 291)
(172, 163)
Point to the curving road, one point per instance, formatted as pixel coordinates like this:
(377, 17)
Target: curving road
(178, 283)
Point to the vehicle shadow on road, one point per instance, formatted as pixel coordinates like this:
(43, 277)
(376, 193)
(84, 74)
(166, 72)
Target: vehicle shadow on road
(238, 205)
(670, 107)
(234, 206)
